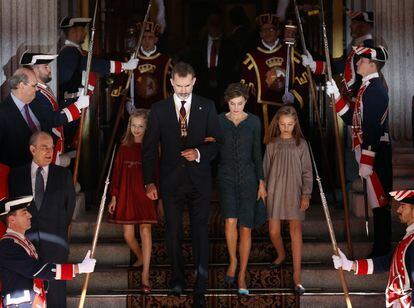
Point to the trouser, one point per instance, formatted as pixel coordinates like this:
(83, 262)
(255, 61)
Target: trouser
(382, 230)
(199, 204)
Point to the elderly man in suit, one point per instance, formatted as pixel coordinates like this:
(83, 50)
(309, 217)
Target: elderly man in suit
(17, 120)
(54, 196)
(181, 125)
(21, 115)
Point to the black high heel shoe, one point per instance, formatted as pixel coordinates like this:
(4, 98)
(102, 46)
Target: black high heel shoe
(230, 280)
(299, 289)
(275, 265)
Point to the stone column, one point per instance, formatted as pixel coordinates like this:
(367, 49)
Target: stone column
(25, 25)
(394, 28)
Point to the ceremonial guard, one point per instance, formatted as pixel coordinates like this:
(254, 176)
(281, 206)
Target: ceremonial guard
(399, 263)
(368, 117)
(71, 64)
(23, 276)
(46, 106)
(264, 72)
(361, 31)
(153, 71)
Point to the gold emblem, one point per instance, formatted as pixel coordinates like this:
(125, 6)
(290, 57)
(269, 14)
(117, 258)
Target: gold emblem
(275, 61)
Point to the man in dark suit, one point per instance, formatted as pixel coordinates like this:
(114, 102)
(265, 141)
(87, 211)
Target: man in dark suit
(214, 59)
(54, 196)
(17, 120)
(181, 124)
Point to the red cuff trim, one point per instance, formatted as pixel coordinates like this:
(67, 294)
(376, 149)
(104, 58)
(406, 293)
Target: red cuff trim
(64, 271)
(118, 67)
(367, 158)
(72, 112)
(364, 267)
(320, 67)
(341, 107)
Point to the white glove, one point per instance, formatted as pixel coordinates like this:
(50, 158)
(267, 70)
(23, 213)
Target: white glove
(288, 98)
(307, 59)
(332, 89)
(130, 65)
(81, 90)
(130, 107)
(87, 265)
(365, 171)
(82, 102)
(342, 261)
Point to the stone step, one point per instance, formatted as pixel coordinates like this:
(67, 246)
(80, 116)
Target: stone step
(259, 276)
(309, 300)
(327, 278)
(261, 251)
(98, 301)
(313, 226)
(337, 300)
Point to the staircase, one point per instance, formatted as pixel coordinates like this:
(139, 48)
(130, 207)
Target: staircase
(115, 284)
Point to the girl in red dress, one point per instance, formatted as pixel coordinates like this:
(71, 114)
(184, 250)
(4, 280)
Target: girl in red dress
(129, 204)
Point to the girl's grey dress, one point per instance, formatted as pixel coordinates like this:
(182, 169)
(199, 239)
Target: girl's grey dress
(240, 169)
(288, 174)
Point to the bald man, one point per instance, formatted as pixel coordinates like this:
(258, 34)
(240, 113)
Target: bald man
(17, 120)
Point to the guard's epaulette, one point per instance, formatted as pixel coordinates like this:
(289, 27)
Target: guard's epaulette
(30, 249)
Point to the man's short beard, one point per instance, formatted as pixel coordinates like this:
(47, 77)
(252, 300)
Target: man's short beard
(46, 79)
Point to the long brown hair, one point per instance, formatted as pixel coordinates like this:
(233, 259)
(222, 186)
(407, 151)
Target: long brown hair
(274, 130)
(128, 138)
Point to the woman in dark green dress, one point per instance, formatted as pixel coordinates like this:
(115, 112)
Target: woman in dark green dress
(240, 178)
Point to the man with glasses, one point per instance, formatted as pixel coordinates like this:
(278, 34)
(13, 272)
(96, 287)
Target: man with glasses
(17, 120)
(46, 106)
(54, 196)
(264, 71)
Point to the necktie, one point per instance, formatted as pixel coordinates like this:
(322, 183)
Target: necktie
(213, 54)
(29, 119)
(183, 121)
(39, 188)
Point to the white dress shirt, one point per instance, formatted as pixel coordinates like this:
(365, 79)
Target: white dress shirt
(45, 173)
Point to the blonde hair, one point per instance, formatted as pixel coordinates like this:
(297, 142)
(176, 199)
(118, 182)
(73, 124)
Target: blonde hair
(274, 130)
(128, 138)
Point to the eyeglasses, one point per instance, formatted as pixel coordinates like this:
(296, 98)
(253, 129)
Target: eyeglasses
(34, 86)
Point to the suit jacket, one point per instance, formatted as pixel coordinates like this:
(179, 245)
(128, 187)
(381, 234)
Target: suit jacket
(163, 128)
(49, 231)
(14, 135)
(225, 70)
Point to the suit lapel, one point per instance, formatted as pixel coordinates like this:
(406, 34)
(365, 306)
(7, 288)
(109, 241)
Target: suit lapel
(16, 115)
(49, 182)
(194, 116)
(172, 117)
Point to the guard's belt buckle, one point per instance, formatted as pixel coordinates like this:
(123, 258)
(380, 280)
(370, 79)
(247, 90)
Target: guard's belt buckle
(18, 297)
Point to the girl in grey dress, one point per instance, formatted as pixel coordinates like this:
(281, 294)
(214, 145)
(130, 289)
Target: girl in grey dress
(240, 179)
(288, 175)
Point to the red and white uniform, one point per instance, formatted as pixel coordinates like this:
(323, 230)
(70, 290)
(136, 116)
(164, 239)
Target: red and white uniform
(398, 293)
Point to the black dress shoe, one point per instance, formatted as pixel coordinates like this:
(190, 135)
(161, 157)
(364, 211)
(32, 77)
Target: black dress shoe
(199, 301)
(176, 291)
